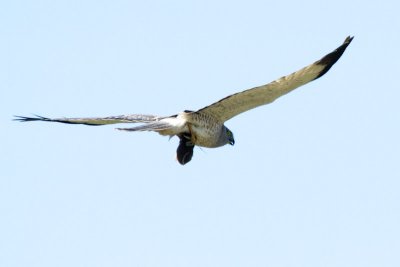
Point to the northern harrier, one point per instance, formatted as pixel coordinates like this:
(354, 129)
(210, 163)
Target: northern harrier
(205, 127)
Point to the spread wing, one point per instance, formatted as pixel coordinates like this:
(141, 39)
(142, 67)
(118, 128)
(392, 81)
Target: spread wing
(96, 121)
(235, 104)
(170, 125)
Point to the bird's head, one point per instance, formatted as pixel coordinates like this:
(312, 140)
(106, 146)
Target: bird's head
(229, 136)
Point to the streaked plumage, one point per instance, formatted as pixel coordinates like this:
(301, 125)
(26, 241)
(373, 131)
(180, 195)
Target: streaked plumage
(205, 127)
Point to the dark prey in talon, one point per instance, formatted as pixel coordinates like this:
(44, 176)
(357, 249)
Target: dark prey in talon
(205, 127)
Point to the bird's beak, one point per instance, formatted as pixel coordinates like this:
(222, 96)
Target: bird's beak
(231, 142)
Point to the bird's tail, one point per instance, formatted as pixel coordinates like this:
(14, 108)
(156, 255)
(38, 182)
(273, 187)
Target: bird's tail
(155, 126)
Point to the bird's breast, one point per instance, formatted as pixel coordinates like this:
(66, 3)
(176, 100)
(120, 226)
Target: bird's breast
(205, 130)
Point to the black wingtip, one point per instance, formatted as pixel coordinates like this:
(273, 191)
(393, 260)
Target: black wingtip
(329, 60)
(348, 39)
(25, 119)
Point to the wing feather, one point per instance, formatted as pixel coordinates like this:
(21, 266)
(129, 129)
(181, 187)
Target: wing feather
(235, 104)
(96, 120)
(152, 126)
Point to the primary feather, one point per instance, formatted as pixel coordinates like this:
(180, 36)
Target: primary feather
(133, 118)
(235, 104)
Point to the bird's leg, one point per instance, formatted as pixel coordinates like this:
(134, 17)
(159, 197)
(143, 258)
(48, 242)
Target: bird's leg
(191, 136)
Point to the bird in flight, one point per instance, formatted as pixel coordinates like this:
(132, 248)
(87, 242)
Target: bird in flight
(205, 127)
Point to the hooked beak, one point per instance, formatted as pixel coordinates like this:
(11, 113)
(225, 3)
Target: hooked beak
(232, 141)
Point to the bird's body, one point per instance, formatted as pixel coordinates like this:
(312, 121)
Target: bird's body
(205, 127)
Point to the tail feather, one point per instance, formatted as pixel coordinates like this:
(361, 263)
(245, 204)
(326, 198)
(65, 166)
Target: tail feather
(152, 126)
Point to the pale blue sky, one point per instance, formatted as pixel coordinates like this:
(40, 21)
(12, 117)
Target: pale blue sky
(313, 179)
